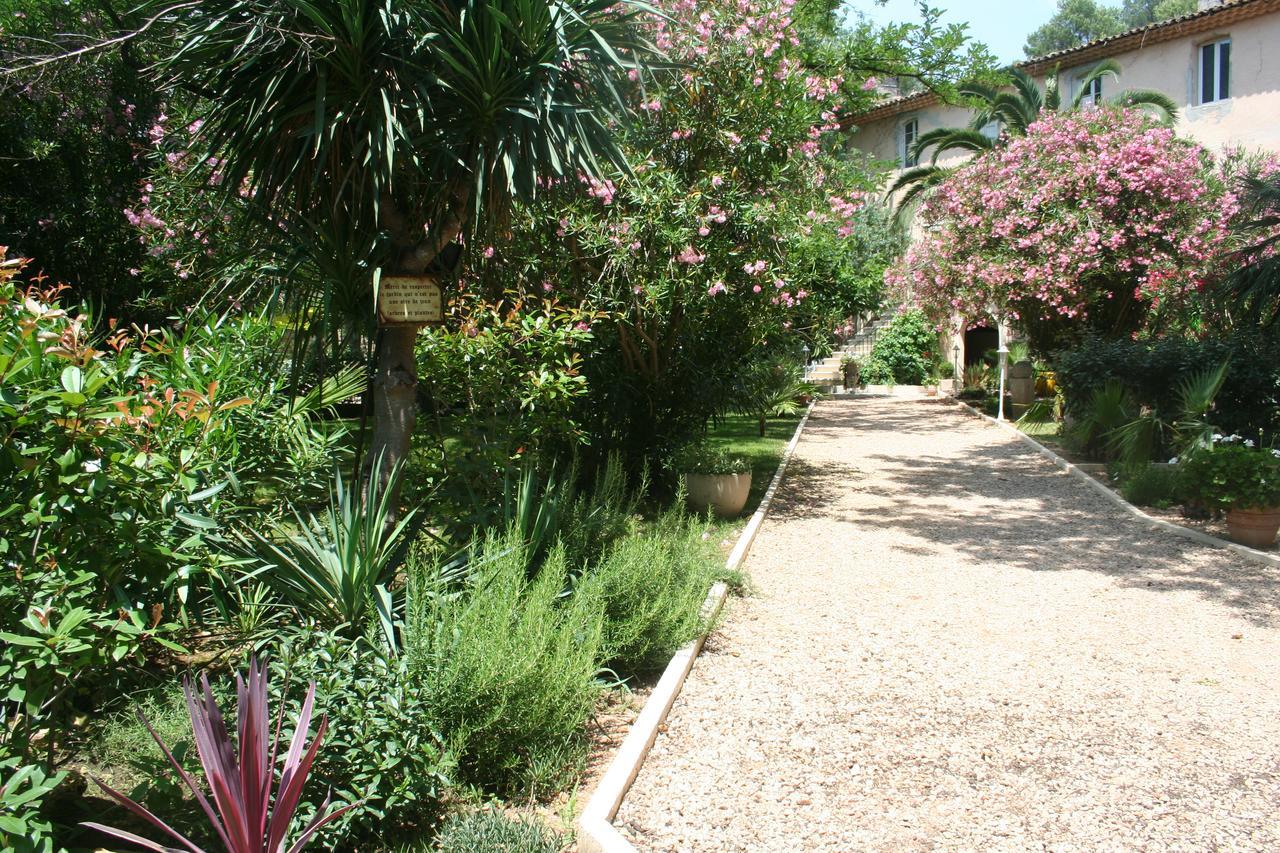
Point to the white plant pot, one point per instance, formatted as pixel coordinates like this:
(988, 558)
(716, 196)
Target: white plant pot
(725, 494)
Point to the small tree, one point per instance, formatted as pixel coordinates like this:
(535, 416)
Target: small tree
(382, 134)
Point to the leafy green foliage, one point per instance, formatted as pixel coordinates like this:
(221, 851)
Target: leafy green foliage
(904, 352)
(703, 458)
(1253, 287)
(1075, 22)
(70, 133)
(1153, 485)
(507, 666)
(651, 588)
(503, 386)
(770, 388)
(384, 753)
(336, 569)
(1233, 474)
(490, 831)
(1079, 21)
(605, 514)
(23, 788)
(1155, 373)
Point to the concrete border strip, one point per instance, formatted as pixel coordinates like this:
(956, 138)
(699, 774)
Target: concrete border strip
(596, 833)
(1154, 523)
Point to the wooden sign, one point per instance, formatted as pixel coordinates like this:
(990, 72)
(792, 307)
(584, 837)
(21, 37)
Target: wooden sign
(410, 299)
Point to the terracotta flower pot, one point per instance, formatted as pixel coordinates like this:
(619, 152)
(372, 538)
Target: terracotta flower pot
(1254, 527)
(726, 494)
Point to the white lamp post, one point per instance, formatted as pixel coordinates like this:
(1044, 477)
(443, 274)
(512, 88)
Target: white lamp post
(1003, 352)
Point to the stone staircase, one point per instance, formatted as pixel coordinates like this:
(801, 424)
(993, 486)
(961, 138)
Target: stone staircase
(827, 373)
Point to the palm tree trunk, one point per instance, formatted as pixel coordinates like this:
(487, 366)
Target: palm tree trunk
(395, 403)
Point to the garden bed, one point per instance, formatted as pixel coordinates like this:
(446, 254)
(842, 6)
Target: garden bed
(1048, 435)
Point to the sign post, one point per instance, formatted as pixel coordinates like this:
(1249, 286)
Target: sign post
(410, 300)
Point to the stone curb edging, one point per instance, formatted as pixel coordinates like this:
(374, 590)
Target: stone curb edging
(1153, 523)
(596, 833)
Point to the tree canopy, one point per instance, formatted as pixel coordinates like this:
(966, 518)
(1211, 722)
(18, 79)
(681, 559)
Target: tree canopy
(1077, 22)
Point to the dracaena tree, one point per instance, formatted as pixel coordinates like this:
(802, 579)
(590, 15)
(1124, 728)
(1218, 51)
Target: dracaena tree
(388, 136)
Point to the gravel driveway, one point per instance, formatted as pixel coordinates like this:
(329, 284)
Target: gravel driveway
(953, 645)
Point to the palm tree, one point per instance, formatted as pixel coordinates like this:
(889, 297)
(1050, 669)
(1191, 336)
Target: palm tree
(1253, 288)
(1012, 112)
(386, 135)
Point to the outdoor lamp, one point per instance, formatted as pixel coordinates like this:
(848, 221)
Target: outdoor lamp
(955, 359)
(1003, 352)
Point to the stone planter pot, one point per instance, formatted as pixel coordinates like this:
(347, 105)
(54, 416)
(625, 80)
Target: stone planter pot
(725, 494)
(851, 377)
(1022, 383)
(1254, 527)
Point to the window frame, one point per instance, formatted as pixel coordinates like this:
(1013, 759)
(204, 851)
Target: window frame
(1219, 85)
(904, 145)
(1094, 89)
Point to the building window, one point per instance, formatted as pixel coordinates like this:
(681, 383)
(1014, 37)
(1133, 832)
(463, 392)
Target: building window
(1215, 71)
(1091, 94)
(910, 131)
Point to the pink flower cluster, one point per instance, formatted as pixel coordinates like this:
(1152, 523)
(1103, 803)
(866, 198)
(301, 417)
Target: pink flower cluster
(1086, 203)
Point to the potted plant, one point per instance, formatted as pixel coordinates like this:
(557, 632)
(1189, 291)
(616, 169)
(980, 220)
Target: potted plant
(713, 478)
(1245, 482)
(852, 371)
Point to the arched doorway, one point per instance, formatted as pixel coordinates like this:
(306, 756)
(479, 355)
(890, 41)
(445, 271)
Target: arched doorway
(977, 342)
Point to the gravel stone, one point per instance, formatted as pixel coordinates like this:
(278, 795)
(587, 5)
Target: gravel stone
(953, 645)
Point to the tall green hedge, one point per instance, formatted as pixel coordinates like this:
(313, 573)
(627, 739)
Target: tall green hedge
(1248, 404)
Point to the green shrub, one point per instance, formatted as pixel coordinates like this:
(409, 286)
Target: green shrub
(705, 459)
(1154, 373)
(383, 749)
(23, 788)
(1233, 474)
(904, 352)
(507, 665)
(603, 516)
(1154, 485)
(650, 588)
(493, 832)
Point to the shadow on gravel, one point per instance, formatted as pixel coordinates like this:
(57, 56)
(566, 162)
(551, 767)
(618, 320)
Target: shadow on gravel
(809, 489)
(1026, 513)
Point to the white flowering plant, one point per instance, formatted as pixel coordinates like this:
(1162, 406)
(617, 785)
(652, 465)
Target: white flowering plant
(1233, 474)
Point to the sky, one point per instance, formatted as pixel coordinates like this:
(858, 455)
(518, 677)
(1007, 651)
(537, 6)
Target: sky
(1003, 26)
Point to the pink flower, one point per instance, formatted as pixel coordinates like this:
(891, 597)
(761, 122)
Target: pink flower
(716, 288)
(690, 256)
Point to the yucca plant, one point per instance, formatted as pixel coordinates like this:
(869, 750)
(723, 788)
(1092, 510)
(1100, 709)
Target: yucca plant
(338, 567)
(250, 812)
(773, 389)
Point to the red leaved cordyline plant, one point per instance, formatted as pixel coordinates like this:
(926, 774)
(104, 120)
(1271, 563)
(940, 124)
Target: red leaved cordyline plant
(243, 813)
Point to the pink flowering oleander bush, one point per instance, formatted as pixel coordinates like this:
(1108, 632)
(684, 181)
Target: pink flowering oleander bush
(1090, 221)
(726, 241)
